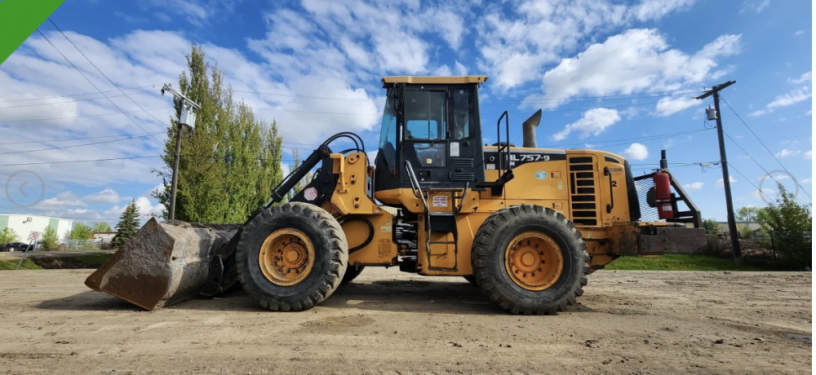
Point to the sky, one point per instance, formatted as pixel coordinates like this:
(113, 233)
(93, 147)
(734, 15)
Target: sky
(611, 75)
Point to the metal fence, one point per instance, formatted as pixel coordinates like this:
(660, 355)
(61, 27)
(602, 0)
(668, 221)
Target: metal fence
(74, 245)
(643, 188)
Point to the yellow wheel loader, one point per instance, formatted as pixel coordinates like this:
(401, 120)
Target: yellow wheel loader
(524, 224)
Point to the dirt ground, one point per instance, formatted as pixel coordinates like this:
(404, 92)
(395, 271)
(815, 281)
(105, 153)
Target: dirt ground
(393, 323)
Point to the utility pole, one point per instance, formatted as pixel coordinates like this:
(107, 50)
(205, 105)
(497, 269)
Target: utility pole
(187, 118)
(732, 224)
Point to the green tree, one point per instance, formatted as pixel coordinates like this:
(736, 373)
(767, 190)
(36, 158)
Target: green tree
(230, 161)
(81, 231)
(711, 226)
(303, 181)
(8, 235)
(747, 214)
(50, 239)
(101, 227)
(127, 227)
(790, 224)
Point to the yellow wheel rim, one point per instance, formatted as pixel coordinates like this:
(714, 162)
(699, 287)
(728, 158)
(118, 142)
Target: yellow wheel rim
(287, 256)
(533, 260)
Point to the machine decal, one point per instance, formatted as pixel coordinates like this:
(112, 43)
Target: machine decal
(518, 158)
(454, 149)
(440, 201)
(310, 194)
(541, 175)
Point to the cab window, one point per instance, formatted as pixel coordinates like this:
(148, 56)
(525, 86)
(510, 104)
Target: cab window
(425, 115)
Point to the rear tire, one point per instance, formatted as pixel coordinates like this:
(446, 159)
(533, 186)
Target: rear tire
(328, 260)
(351, 273)
(496, 239)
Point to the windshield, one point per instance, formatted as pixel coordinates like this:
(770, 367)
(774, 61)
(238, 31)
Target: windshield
(388, 135)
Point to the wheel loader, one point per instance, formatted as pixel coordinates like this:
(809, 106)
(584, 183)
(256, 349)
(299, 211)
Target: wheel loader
(524, 224)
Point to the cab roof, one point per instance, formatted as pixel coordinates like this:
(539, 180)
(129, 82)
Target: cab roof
(430, 80)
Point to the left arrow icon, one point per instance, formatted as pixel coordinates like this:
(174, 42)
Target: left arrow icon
(21, 188)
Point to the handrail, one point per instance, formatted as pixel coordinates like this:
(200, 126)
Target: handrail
(611, 204)
(415, 187)
(464, 196)
(506, 145)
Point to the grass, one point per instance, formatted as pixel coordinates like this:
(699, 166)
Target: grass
(678, 262)
(12, 264)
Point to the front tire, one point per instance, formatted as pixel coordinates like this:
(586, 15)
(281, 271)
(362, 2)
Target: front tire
(291, 257)
(530, 260)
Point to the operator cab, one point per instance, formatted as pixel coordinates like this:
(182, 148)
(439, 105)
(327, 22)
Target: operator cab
(432, 123)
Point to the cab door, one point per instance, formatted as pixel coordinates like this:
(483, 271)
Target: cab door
(441, 135)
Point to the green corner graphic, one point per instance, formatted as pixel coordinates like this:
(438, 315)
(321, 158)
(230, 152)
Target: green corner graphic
(20, 18)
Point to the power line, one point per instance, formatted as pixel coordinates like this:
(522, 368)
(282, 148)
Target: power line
(749, 181)
(130, 158)
(766, 147)
(75, 100)
(160, 122)
(70, 95)
(627, 140)
(92, 84)
(760, 165)
(93, 115)
(82, 145)
(70, 139)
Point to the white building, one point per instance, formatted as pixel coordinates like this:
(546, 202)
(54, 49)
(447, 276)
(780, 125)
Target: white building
(23, 225)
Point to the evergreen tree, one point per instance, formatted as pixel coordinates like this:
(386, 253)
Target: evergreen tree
(50, 240)
(128, 225)
(230, 161)
(101, 227)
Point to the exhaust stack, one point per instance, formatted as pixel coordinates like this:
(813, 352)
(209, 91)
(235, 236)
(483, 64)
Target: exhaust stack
(530, 129)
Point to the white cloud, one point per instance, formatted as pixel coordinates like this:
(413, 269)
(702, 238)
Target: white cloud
(808, 154)
(64, 199)
(515, 42)
(460, 69)
(755, 6)
(768, 193)
(669, 106)
(720, 183)
(694, 185)
(104, 196)
(805, 77)
(593, 122)
(143, 204)
(196, 12)
(668, 143)
(806, 181)
(799, 32)
(639, 60)
(784, 153)
(781, 101)
(636, 151)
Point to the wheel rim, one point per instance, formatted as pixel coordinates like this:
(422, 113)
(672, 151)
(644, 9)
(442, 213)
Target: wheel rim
(286, 257)
(533, 261)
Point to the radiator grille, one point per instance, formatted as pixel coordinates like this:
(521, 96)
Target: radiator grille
(583, 187)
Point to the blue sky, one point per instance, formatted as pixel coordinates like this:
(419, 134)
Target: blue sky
(611, 75)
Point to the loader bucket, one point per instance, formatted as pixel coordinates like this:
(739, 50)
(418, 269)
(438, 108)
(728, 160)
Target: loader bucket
(163, 264)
